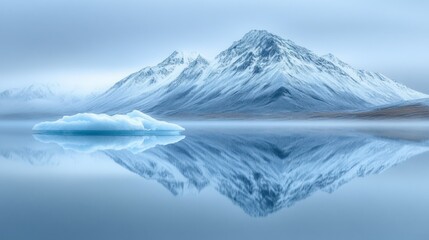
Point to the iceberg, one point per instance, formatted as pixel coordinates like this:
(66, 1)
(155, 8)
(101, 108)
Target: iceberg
(133, 123)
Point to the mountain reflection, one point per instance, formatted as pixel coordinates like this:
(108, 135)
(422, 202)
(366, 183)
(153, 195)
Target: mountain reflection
(262, 172)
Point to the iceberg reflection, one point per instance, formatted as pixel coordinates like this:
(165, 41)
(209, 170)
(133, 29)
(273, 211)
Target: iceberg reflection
(89, 144)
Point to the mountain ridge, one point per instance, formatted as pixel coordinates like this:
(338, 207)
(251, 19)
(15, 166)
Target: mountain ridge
(259, 74)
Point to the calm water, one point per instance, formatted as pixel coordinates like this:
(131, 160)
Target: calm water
(239, 181)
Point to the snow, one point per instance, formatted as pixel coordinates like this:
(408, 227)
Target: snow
(152, 78)
(133, 121)
(260, 73)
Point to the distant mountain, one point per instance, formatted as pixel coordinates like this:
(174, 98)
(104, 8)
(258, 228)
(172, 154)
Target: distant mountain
(261, 74)
(29, 93)
(36, 100)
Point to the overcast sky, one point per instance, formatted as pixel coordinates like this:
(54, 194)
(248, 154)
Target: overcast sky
(91, 44)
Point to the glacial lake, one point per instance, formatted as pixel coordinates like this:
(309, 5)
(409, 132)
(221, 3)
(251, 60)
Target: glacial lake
(241, 180)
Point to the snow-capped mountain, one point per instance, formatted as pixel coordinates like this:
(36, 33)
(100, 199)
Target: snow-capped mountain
(259, 74)
(28, 93)
(38, 100)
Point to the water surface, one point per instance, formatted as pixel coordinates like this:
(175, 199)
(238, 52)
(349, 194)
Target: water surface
(242, 181)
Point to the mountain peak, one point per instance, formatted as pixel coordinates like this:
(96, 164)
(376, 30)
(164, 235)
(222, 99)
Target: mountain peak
(260, 39)
(201, 59)
(258, 34)
(256, 49)
(332, 58)
(179, 57)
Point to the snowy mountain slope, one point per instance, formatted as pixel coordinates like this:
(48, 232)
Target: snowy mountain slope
(261, 73)
(264, 172)
(377, 80)
(146, 82)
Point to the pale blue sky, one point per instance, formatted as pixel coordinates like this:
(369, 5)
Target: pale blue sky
(92, 43)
